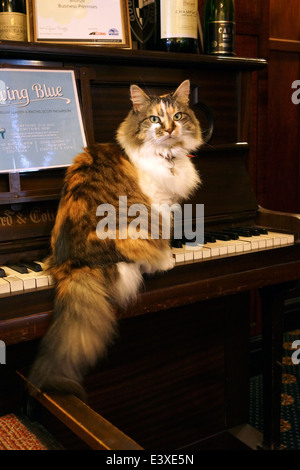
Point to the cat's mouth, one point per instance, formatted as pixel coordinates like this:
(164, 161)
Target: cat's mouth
(168, 141)
(169, 137)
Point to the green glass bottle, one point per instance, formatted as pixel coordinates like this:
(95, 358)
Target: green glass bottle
(179, 25)
(13, 24)
(144, 23)
(219, 27)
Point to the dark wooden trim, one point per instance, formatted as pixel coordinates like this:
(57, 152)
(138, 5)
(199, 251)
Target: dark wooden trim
(285, 45)
(31, 51)
(88, 425)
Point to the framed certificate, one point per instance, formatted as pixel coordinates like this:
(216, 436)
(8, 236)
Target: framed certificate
(91, 22)
(36, 109)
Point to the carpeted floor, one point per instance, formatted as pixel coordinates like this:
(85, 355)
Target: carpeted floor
(18, 433)
(14, 435)
(290, 396)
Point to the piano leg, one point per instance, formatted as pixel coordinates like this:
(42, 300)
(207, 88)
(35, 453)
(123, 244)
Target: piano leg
(272, 310)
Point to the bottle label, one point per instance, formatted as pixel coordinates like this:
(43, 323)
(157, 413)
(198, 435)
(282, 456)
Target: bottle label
(13, 26)
(221, 37)
(143, 18)
(179, 18)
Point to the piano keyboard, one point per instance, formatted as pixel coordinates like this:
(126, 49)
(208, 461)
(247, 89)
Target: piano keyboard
(229, 243)
(15, 278)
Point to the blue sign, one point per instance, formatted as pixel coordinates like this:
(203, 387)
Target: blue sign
(40, 120)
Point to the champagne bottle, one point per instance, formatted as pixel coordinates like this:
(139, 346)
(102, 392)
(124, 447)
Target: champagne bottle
(144, 23)
(13, 26)
(179, 25)
(219, 27)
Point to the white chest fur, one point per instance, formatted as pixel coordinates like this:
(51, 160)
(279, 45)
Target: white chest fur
(166, 180)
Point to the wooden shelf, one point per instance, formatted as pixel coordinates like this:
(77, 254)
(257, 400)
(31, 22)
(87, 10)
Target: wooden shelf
(57, 52)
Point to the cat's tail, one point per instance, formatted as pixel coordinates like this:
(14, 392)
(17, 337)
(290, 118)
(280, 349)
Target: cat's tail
(83, 324)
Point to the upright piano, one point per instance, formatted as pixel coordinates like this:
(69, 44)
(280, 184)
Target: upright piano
(177, 375)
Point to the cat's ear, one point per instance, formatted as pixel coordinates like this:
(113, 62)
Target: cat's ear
(138, 97)
(182, 93)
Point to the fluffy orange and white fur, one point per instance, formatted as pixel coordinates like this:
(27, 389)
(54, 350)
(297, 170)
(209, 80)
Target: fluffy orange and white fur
(95, 276)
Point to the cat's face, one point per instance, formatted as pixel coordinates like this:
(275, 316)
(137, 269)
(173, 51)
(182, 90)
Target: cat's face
(162, 122)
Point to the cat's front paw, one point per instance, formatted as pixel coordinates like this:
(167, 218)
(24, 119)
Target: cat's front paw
(147, 268)
(165, 264)
(168, 262)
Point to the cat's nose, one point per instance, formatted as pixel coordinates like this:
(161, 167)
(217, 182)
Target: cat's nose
(169, 131)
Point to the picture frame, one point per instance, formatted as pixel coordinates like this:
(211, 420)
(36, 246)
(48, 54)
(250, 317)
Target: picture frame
(36, 107)
(83, 22)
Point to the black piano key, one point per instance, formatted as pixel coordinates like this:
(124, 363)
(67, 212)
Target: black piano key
(19, 268)
(36, 267)
(209, 238)
(232, 235)
(189, 240)
(176, 243)
(2, 273)
(262, 231)
(246, 231)
(254, 231)
(220, 236)
(241, 232)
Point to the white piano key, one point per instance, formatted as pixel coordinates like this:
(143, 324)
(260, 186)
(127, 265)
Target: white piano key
(15, 283)
(178, 254)
(242, 246)
(282, 238)
(252, 243)
(214, 249)
(199, 251)
(196, 250)
(27, 279)
(198, 254)
(225, 246)
(261, 243)
(188, 254)
(50, 278)
(206, 253)
(4, 286)
(268, 241)
(291, 239)
(41, 279)
(228, 247)
(278, 238)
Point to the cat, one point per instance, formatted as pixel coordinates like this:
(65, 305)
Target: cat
(95, 275)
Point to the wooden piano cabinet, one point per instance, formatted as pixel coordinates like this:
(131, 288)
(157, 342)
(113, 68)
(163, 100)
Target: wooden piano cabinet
(174, 379)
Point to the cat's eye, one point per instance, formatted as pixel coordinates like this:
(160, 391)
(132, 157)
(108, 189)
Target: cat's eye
(177, 116)
(154, 119)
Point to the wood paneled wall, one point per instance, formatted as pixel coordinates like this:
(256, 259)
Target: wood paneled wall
(282, 167)
(271, 29)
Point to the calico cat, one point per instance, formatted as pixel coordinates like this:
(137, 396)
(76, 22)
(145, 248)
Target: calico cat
(95, 275)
